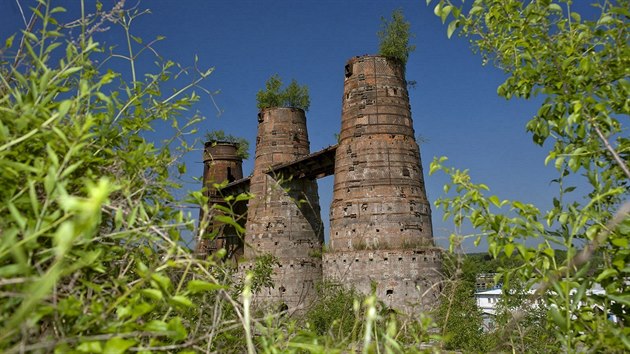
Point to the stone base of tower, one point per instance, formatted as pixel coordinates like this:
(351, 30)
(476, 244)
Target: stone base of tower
(294, 283)
(407, 280)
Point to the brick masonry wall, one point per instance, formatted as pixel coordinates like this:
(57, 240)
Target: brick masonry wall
(220, 163)
(379, 198)
(294, 281)
(380, 217)
(284, 216)
(407, 280)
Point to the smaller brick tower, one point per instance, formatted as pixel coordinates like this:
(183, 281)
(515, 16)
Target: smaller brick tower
(380, 218)
(220, 163)
(283, 218)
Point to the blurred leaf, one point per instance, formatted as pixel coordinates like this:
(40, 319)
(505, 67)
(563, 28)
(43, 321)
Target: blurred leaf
(118, 345)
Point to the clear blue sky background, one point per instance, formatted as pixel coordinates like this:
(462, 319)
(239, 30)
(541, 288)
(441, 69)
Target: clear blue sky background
(455, 107)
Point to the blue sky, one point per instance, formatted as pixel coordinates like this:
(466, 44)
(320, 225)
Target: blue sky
(455, 107)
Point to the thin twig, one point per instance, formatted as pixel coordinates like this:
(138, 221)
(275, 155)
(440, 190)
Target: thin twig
(21, 12)
(29, 27)
(609, 147)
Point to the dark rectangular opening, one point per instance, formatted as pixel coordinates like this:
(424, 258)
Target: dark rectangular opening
(348, 70)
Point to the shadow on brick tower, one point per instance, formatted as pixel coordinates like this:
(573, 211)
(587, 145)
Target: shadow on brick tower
(380, 218)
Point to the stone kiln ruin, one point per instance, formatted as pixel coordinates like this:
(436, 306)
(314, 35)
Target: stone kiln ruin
(380, 219)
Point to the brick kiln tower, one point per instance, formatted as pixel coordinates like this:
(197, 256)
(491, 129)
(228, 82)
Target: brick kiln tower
(220, 163)
(283, 218)
(380, 218)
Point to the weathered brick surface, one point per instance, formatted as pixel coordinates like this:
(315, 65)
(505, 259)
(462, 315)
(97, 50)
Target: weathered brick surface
(220, 163)
(407, 280)
(380, 218)
(284, 216)
(294, 280)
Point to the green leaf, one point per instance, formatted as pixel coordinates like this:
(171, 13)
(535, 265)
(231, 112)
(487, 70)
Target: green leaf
(198, 286)
(154, 294)
(52, 156)
(605, 20)
(181, 301)
(452, 26)
(9, 42)
(564, 217)
(607, 273)
(585, 65)
(620, 242)
(177, 328)
(230, 221)
(123, 312)
(242, 197)
(509, 249)
(446, 10)
(475, 10)
(118, 345)
(140, 309)
(557, 317)
(64, 107)
(17, 216)
(437, 10)
(559, 163)
(156, 326)
(554, 8)
(163, 282)
(90, 347)
(620, 299)
(569, 189)
(57, 9)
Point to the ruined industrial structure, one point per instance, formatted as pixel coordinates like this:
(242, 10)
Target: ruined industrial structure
(221, 163)
(380, 219)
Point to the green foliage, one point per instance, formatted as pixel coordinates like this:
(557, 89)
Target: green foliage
(334, 312)
(394, 37)
(262, 272)
(521, 324)
(91, 255)
(242, 143)
(457, 315)
(294, 95)
(271, 96)
(580, 67)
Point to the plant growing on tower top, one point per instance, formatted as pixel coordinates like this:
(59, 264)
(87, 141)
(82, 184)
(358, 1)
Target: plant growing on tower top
(394, 37)
(220, 136)
(293, 95)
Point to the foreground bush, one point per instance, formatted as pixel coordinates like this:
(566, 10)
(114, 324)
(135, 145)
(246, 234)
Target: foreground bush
(90, 253)
(578, 63)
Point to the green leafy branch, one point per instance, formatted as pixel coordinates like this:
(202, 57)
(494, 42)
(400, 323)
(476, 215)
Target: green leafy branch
(293, 95)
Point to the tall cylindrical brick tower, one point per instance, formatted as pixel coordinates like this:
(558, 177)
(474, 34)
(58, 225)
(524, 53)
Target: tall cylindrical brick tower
(220, 163)
(283, 218)
(380, 218)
